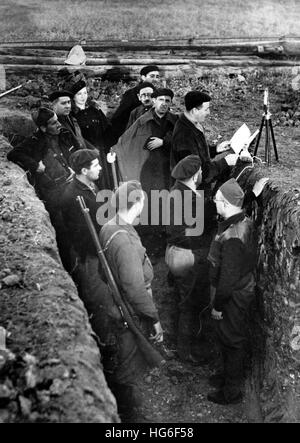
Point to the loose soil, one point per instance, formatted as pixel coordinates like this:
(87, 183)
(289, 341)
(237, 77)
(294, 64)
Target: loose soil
(178, 392)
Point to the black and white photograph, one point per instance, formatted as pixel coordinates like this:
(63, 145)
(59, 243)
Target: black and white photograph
(149, 214)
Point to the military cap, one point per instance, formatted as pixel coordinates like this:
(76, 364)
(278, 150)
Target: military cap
(187, 167)
(232, 192)
(163, 91)
(60, 93)
(193, 99)
(127, 194)
(82, 158)
(150, 68)
(41, 116)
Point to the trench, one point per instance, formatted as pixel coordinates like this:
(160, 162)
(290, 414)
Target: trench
(272, 387)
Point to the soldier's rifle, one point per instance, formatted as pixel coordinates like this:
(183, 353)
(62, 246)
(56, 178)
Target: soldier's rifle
(151, 355)
(3, 94)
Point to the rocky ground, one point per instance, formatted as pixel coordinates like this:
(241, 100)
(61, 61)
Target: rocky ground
(178, 392)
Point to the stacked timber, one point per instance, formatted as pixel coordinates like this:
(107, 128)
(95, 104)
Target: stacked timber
(176, 57)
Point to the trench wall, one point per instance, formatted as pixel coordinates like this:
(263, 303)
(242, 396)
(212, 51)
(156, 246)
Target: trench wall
(56, 375)
(273, 388)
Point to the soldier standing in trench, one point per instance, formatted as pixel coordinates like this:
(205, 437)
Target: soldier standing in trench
(62, 106)
(232, 258)
(130, 99)
(45, 157)
(145, 91)
(122, 360)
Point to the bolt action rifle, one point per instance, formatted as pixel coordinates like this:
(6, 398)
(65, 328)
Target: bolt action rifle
(151, 355)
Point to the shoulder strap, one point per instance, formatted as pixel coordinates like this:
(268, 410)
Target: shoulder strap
(108, 242)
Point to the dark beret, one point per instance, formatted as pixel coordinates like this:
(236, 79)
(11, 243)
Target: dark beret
(41, 116)
(61, 93)
(187, 167)
(82, 158)
(232, 192)
(163, 91)
(76, 87)
(150, 68)
(127, 194)
(145, 85)
(193, 99)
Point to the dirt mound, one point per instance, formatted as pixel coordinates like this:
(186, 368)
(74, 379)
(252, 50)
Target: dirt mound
(54, 374)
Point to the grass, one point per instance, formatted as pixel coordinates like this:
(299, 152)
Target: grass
(139, 19)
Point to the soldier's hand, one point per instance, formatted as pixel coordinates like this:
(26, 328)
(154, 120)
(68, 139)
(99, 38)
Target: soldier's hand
(158, 337)
(259, 186)
(216, 315)
(111, 157)
(41, 168)
(231, 159)
(224, 146)
(154, 143)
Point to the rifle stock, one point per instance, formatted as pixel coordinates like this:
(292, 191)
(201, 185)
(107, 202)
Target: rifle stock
(151, 355)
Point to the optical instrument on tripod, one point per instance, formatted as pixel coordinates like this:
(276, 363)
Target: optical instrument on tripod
(267, 122)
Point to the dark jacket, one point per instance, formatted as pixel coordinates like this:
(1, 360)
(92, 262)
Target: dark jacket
(232, 258)
(55, 152)
(137, 113)
(130, 266)
(95, 127)
(178, 234)
(70, 123)
(97, 130)
(129, 101)
(79, 233)
(187, 140)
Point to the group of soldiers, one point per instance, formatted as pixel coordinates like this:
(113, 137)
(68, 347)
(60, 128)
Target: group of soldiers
(154, 149)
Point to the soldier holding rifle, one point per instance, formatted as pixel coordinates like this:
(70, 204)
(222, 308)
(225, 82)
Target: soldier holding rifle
(133, 273)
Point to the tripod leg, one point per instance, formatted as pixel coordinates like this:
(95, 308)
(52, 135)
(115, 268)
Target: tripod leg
(259, 135)
(273, 140)
(267, 145)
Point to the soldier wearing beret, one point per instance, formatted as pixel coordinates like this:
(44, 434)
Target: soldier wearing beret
(45, 156)
(145, 91)
(189, 138)
(130, 99)
(62, 105)
(186, 253)
(232, 260)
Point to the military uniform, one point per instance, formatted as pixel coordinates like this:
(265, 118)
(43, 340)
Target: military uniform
(121, 116)
(133, 273)
(232, 260)
(54, 152)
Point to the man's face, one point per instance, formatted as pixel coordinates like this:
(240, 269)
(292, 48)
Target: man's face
(202, 112)
(220, 203)
(151, 77)
(144, 96)
(162, 104)
(93, 172)
(53, 126)
(62, 106)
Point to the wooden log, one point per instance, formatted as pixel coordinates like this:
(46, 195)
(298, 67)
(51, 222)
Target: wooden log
(133, 70)
(137, 45)
(113, 60)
